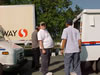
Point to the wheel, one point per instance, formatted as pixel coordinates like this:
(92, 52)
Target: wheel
(94, 66)
(86, 65)
(98, 65)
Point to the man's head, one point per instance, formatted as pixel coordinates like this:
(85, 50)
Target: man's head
(42, 25)
(69, 22)
(37, 28)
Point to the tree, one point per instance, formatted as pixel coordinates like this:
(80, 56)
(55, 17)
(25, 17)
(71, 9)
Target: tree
(20, 2)
(77, 10)
(53, 13)
(4, 2)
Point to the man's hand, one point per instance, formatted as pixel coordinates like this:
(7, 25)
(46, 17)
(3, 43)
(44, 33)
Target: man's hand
(43, 51)
(79, 41)
(62, 51)
(80, 50)
(63, 45)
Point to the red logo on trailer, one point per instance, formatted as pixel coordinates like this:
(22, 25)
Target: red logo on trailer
(23, 33)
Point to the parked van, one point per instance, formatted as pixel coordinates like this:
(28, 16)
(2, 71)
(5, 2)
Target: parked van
(88, 23)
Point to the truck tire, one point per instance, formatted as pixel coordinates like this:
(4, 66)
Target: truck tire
(98, 66)
(94, 66)
(1, 69)
(86, 65)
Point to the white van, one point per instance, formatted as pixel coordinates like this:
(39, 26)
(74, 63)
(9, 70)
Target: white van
(11, 55)
(88, 23)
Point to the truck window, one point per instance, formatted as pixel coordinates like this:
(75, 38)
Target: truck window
(1, 33)
(77, 24)
(1, 36)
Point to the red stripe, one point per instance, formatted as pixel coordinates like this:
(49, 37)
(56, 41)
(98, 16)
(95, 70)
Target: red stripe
(90, 42)
(97, 41)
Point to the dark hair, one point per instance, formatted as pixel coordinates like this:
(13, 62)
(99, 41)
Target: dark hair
(37, 28)
(69, 21)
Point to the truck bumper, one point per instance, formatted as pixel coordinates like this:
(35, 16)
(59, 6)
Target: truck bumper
(16, 67)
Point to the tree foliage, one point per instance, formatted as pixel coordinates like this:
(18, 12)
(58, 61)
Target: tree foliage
(2, 2)
(77, 10)
(53, 12)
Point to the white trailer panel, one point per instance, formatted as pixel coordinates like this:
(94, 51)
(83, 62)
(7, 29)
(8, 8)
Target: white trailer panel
(17, 22)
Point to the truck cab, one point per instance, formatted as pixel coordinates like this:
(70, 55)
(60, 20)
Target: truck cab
(11, 55)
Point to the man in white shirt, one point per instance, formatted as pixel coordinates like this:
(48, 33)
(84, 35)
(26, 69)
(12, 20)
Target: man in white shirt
(45, 44)
(71, 44)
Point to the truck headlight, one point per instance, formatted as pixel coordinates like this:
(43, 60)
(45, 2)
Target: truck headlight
(5, 53)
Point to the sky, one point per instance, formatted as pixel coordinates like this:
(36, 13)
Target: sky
(86, 4)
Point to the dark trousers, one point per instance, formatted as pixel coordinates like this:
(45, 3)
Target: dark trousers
(45, 61)
(35, 58)
(72, 63)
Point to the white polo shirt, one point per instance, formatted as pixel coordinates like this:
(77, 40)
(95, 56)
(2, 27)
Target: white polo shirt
(72, 35)
(46, 38)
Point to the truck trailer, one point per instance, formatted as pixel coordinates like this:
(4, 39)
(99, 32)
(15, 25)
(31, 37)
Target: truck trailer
(17, 22)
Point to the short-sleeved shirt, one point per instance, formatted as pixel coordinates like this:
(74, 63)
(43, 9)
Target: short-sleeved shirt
(35, 43)
(72, 35)
(46, 38)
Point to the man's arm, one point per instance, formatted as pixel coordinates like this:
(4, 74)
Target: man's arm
(41, 46)
(64, 40)
(63, 45)
(79, 42)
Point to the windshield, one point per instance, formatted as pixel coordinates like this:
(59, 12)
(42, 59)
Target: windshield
(1, 36)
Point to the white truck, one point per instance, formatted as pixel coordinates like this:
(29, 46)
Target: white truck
(88, 23)
(11, 55)
(17, 22)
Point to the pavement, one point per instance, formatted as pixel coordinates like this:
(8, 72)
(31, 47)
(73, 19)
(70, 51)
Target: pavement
(56, 66)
